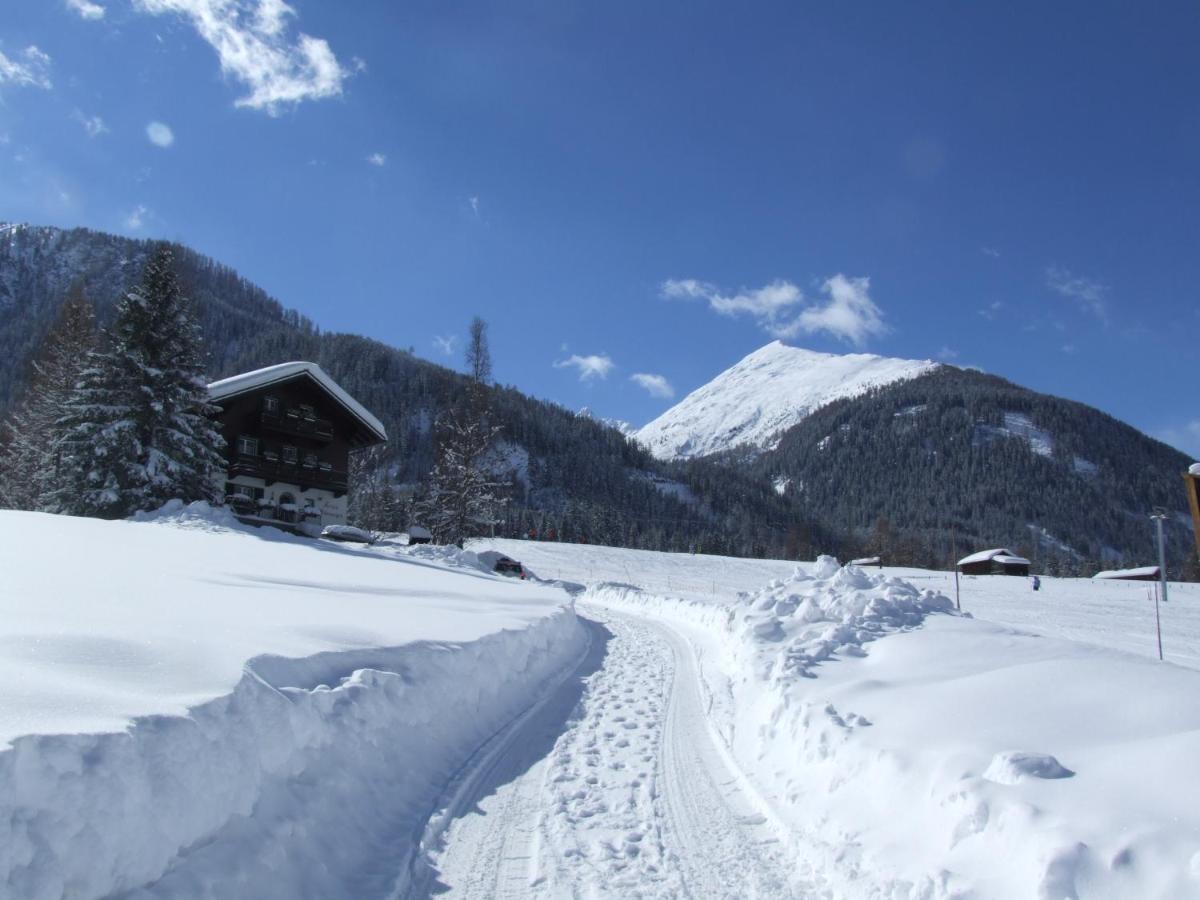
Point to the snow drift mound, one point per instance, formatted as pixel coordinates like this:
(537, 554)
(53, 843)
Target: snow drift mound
(190, 708)
(812, 617)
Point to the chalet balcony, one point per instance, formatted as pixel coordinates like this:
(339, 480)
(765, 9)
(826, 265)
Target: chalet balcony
(297, 422)
(298, 473)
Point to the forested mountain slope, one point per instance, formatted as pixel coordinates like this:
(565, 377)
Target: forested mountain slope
(571, 475)
(956, 460)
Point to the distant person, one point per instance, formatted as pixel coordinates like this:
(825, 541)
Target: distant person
(1037, 583)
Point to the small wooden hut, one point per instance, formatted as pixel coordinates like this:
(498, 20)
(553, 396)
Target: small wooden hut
(1144, 573)
(999, 561)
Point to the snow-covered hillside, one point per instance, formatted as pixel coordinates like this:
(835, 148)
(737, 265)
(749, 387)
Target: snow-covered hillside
(765, 394)
(192, 708)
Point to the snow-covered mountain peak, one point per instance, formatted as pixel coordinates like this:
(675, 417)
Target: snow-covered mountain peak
(765, 394)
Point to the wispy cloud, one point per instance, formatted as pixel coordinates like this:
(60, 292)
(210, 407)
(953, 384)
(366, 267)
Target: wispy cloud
(86, 9)
(137, 219)
(255, 47)
(597, 365)
(947, 353)
(160, 135)
(990, 251)
(474, 201)
(655, 385)
(445, 345)
(766, 304)
(377, 159)
(93, 125)
(781, 309)
(30, 68)
(1185, 437)
(992, 310)
(1090, 295)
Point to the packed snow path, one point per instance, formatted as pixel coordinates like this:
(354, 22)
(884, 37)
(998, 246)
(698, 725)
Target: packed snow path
(612, 786)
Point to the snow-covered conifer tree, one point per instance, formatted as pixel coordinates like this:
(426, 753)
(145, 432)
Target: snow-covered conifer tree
(461, 496)
(30, 468)
(140, 431)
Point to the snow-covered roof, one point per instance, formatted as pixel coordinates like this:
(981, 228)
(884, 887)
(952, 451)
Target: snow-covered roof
(1143, 572)
(259, 378)
(999, 554)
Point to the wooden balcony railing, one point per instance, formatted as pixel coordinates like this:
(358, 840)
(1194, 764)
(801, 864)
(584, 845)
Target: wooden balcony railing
(305, 476)
(294, 421)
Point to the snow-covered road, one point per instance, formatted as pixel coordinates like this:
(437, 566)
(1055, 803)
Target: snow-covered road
(612, 786)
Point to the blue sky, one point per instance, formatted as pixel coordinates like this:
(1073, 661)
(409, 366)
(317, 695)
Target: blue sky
(655, 190)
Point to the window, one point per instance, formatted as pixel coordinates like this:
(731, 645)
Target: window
(307, 411)
(289, 455)
(247, 446)
(271, 405)
(249, 492)
(310, 460)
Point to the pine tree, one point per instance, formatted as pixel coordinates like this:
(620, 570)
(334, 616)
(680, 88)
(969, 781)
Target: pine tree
(374, 503)
(462, 497)
(30, 441)
(479, 355)
(140, 427)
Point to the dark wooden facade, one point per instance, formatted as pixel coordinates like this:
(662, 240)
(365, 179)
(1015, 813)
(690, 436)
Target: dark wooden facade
(288, 445)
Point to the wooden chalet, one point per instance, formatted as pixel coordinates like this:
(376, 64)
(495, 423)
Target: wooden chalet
(289, 431)
(994, 562)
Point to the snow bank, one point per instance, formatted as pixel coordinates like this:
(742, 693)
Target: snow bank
(911, 752)
(191, 708)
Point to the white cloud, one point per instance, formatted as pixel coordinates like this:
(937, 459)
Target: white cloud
(655, 385)
(160, 135)
(254, 47)
(947, 353)
(136, 219)
(445, 344)
(1089, 294)
(93, 125)
(377, 159)
(1185, 437)
(780, 308)
(31, 68)
(87, 9)
(849, 313)
(990, 251)
(589, 367)
(474, 201)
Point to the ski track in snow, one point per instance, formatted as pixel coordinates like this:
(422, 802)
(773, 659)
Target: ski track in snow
(614, 787)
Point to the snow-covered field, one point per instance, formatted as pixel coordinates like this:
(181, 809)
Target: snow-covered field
(191, 708)
(1114, 614)
(897, 749)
